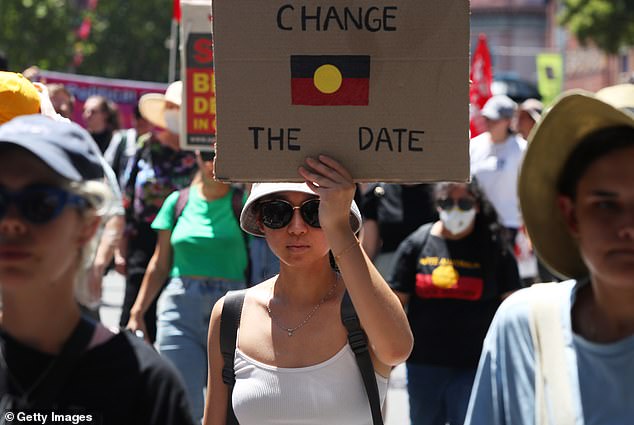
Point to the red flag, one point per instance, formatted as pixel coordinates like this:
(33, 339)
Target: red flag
(176, 10)
(481, 78)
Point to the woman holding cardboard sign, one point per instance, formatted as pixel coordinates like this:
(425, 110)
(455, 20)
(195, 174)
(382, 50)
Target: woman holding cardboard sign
(291, 360)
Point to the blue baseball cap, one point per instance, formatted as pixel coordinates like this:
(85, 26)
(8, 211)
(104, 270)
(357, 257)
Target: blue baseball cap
(63, 146)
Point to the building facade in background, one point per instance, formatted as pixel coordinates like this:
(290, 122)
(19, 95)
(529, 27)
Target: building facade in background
(519, 30)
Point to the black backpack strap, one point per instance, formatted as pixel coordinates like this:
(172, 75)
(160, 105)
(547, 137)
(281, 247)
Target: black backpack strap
(129, 190)
(236, 202)
(229, 324)
(359, 344)
(183, 197)
(118, 154)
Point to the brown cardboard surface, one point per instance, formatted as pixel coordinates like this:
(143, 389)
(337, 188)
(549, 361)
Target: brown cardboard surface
(415, 122)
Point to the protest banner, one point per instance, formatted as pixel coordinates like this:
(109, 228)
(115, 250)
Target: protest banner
(125, 93)
(382, 86)
(199, 99)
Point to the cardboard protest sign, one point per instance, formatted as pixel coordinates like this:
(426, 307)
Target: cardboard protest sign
(380, 85)
(199, 99)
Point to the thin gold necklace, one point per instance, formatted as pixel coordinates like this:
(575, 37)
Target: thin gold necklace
(291, 331)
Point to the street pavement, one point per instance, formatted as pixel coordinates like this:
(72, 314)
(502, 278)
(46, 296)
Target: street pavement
(397, 401)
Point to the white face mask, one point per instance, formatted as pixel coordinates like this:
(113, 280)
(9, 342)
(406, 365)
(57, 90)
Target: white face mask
(456, 220)
(173, 120)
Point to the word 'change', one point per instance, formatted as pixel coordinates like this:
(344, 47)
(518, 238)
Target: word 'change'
(372, 19)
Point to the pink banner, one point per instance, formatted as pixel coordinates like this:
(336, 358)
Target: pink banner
(125, 93)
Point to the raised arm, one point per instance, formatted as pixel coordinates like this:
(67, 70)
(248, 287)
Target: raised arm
(379, 309)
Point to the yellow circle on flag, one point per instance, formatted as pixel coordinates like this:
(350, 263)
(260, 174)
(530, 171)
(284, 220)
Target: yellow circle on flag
(327, 79)
(445, 276)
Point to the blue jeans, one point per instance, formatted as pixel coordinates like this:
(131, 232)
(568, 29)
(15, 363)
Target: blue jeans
(183, 313)
(438, 395)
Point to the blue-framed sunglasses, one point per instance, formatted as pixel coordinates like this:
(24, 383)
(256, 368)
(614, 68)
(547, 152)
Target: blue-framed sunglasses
(39, 203)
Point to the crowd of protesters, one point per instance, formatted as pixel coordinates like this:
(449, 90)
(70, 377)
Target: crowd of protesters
(133, 201)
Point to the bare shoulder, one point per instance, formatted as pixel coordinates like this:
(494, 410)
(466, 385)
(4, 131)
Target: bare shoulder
(259, 294)
(256, 295)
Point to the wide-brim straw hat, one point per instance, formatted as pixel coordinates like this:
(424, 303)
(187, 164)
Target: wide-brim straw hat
(152, 105)
(249, 215)
(575, 115)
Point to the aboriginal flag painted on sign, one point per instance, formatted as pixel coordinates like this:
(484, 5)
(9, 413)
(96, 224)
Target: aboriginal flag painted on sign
(330, 80)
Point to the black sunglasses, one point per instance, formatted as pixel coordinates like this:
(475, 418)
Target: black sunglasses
(465, 204)
(278, 213)
(39, 204)
(207, 155)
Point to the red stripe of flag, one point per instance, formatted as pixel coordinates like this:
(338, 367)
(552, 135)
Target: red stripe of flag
(353, 91)
(467, 288)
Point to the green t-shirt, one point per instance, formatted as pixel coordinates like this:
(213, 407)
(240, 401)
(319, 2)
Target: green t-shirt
(207, 240)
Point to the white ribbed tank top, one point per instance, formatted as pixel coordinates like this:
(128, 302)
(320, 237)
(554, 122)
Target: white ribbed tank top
(328, 393)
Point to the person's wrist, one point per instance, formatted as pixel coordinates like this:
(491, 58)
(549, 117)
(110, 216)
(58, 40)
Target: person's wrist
(99, 267)
(339, 255)
(136, 313)
(339, 226)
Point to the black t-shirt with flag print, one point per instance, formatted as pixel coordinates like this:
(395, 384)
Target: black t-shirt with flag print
(455, 289)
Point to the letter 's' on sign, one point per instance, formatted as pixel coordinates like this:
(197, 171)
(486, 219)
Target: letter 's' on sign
(330, 80)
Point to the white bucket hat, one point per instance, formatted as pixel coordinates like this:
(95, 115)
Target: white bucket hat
(249, 215)
(152, 105)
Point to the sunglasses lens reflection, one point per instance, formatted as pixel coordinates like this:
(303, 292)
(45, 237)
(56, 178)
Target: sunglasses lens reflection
(278, 214)
(310, 212)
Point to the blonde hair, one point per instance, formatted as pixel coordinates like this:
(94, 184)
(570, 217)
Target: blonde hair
(100, 200)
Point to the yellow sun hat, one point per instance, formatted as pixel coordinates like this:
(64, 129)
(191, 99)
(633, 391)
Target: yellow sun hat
(18, 96)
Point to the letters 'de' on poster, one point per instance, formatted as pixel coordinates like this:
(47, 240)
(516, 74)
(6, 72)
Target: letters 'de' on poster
(380, 85)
